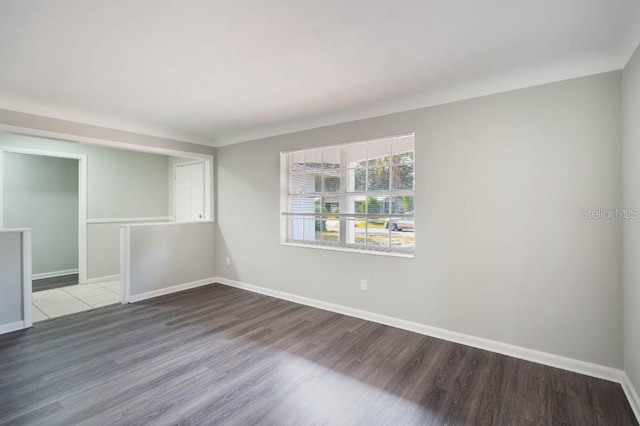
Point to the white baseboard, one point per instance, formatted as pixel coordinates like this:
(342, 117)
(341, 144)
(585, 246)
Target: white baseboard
(12, 326)
(103, 279)
(632, 395)
(557, 361)
(168, 290)
(54, 274)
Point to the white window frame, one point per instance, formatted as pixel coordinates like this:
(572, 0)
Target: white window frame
(286, 197)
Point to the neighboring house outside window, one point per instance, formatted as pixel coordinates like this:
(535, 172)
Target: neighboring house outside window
(351, 196)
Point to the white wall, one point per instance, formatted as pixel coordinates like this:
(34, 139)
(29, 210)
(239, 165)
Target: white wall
(10, 278)
(631, 185)
(165, 256)
(121, 184)
(501, 249)
(41, 193)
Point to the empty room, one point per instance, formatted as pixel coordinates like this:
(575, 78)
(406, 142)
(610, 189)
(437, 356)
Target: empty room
(288, 213)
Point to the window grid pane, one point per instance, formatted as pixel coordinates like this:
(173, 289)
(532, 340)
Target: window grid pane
(371, 181)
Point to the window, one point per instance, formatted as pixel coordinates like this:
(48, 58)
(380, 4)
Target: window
(355, 196)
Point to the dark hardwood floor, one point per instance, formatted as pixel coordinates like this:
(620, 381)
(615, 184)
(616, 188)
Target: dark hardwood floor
(54, 282)
(219, 355)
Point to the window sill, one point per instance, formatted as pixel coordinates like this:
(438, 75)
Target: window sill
(351, 250)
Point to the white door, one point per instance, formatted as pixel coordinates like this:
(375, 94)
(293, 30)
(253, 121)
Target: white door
(189, 193)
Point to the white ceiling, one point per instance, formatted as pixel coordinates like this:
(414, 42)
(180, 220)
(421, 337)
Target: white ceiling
(223, 71)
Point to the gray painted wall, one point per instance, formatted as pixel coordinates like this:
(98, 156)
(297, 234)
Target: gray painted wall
(10, 277)
(631, 185)
(103, 249)
(167, 255)
(502, 251)
(41, 193)
(121, 184)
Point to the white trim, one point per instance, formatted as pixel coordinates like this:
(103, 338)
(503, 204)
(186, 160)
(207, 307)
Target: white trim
(42, 152)
(106, 278)
(54, 274)
(6, 231)
(27, 310)
(125, 263)
(83, 244)
(82, 198)
(130, 219)
(557, 361)
(632, 395)
(12, 326)
(172, 289)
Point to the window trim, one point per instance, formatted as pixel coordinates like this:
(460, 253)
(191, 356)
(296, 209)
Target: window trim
(285, 198)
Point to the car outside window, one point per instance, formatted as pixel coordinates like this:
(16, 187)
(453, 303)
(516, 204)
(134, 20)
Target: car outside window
(355, 196)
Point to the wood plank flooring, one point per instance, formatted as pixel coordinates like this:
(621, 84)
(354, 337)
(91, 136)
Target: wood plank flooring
(54, 282)
(219, 355)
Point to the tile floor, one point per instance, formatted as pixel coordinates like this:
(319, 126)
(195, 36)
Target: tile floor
(76, 298)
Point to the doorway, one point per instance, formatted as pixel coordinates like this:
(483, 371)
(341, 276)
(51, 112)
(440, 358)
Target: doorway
(41, 193)
(46, 192)
(81, 161)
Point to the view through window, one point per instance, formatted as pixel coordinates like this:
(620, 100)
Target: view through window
(357, 195)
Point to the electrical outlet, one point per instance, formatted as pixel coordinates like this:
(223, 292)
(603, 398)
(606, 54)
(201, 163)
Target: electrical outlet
(228, 261)
(363, 285)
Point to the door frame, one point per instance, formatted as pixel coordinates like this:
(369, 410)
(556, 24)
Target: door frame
(82, 198)
(207, 202)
